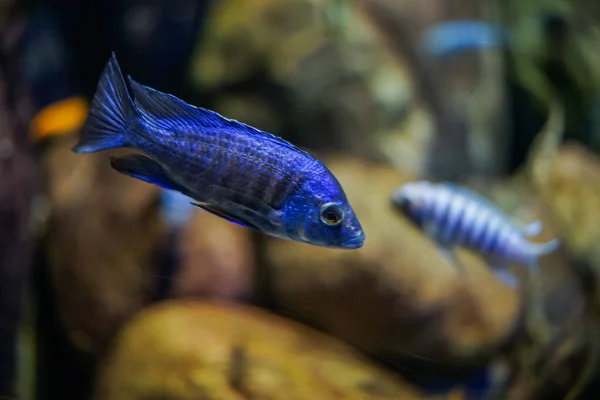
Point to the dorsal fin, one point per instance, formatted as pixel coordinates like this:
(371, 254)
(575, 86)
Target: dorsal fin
(167, 111)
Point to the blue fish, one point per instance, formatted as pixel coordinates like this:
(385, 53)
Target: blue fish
(232, 170)
(454, 36)
(455, 216)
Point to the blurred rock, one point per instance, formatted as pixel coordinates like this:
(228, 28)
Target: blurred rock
(561, 343)
(216, 259)
(190, 350)
(558, 368)
(395, 296)
(345, 95)
(105, 230)
(572, 191)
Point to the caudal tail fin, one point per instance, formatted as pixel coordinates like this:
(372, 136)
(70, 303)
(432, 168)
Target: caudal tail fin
(111, 113)
(540, 249)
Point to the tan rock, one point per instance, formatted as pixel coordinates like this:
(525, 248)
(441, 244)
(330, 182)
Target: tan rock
(216, 259)
(566, 349)
(572, 190)
(339, 90)
(102, 240)
(183, 349)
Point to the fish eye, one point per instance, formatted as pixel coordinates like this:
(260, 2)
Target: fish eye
(331, 214)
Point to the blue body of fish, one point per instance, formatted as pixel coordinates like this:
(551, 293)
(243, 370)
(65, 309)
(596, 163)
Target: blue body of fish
(454, 216)
(237, 172)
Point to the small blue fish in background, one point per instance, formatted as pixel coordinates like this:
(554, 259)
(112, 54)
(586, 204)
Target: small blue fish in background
(455, 216)
(451, 37)
(176, 208)
(232, 170)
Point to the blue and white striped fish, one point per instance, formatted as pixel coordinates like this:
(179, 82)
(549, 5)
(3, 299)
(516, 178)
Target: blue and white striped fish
(455, 216)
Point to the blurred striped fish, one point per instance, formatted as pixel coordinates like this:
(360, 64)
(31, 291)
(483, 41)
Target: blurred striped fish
(454, 216)
(454, 36)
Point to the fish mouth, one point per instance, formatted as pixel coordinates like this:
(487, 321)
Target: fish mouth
(353, 243)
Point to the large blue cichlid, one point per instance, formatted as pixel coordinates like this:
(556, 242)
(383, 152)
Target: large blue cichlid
(233, 170)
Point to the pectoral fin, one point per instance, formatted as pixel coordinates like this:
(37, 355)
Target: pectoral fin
(146, 169)
(430, 230)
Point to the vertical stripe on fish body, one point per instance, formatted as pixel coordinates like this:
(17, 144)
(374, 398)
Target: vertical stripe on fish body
(231, 169)
(454, 216)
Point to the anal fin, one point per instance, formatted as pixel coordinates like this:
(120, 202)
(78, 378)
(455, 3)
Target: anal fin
(449, 256)
(500, 269)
